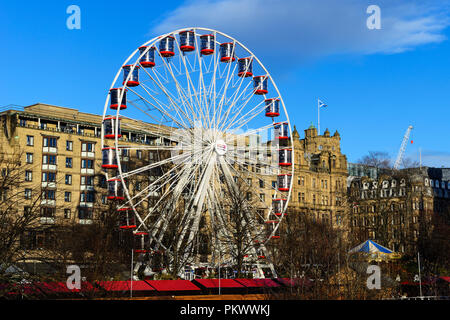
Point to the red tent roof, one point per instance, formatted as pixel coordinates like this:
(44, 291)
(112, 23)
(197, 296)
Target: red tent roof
(125, 285)
(224, 283)
(53, 287)
(445, 278)
(258, 283)
(172, 285)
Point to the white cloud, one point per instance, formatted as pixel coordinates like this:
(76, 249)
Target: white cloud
(305, 29)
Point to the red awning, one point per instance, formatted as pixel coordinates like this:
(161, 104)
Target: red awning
(53, 287)
(126, 285)
(172, 285)
(445, 278)
(214, 283)
(258, 283)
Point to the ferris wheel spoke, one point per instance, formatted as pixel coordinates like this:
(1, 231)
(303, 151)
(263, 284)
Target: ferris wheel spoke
(190, 85)
(161, 109)
(225, 88)
(180, 90)
(246, 118)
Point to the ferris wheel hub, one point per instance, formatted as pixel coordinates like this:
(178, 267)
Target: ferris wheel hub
(221, 147)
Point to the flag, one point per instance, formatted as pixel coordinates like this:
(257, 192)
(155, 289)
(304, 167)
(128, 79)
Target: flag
(321, 104)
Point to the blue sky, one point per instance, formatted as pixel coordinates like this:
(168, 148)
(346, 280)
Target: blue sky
(376, 82)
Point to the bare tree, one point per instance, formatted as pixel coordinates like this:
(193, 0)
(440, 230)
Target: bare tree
(377, 159)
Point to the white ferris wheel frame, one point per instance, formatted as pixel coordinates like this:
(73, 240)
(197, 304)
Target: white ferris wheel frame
(216, 47)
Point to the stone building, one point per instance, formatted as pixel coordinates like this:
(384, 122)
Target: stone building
(60, 157)
(398, 208)
(319, 186)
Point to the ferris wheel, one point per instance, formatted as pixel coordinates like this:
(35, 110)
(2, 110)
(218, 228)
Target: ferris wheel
(197, 150)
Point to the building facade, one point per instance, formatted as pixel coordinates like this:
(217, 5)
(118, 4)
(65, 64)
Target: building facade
(320, 178)
(398, 208)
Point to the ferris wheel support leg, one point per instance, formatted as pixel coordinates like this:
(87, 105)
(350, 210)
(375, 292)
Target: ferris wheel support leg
(197, 204)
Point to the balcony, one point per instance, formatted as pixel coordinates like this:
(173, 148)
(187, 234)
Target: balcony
(87, 171)
(84, 187)
(51, 167)
(47, 220)
(85, 221)
(48, 202)
(48, 184)
(49, 150)
(85, 154)
(86, 204)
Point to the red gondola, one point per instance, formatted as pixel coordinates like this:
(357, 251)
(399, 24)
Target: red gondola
(114, 99)
(133, 81)
(109, 128)
(285, 157)
(109, 159)
(284, 181)
(187, 41)
(260, 85)
(141, 240)
(207, 44)
(245, 67)
(126, 219)
(166, 47)
(148, 59)
(281, 130)
(278, 206)
(272, 107)
(227, 52)
(115, 189)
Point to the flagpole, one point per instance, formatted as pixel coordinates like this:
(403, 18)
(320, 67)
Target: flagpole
(318, 117)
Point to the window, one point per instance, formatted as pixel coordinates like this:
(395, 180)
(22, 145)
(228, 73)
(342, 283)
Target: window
(69, 145)
(261, 183)
(68, 162)
(49, 142)
(87, 164)
(29, 158)
(249, 196)
(84, 213)
(49, 159)
(139, 154)
(87, 180)
(314, 182)
(30, 140)
(274, 184)
(43, 125)
(48, 194)
(262, 196)
(87, 196)
(48, 212)
(67, 196)
(26, 211)
(87, 147)
(48, 177)
(314, 199)
(249, 181)
(28, 175)
(301, 181)
(27, 193)
(66, 213)
(68, 179)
